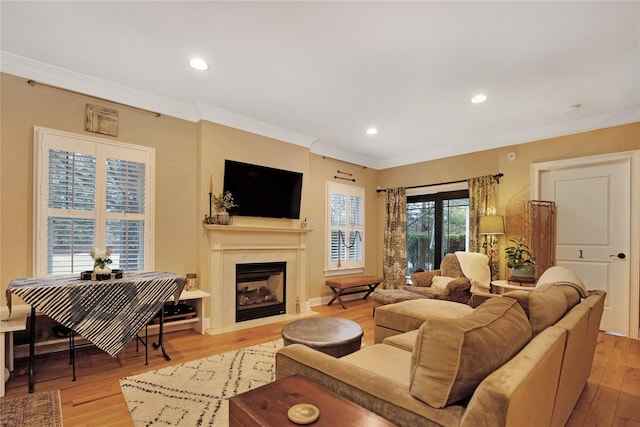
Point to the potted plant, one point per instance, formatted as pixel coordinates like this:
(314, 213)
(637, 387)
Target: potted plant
(222, 202)
(520, 259)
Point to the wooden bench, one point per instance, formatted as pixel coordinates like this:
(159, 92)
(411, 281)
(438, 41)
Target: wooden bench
(346, 285)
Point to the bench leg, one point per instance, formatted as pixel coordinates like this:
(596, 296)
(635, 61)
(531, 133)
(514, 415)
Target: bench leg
(340, 292)
(371, 289)
(336, 295)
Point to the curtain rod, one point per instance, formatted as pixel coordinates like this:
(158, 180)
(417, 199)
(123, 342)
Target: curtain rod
(33, 83)
(497, 177)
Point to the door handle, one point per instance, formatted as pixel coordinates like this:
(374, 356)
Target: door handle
(619, 255)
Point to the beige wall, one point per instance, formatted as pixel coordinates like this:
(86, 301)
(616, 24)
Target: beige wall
(322, 170)
(23, 107)
(188, 154)
(218, 143)
(515, 185)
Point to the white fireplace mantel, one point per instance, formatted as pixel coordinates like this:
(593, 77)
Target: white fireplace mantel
(236, 244)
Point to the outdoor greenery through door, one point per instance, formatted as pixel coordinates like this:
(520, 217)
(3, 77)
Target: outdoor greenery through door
(437, 224)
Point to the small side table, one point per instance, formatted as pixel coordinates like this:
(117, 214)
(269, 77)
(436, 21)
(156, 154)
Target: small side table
(523, 281)
(17, 322)
(268, 405)
(503, 286)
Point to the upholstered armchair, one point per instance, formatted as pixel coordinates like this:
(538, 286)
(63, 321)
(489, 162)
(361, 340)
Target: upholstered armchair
(446, 283)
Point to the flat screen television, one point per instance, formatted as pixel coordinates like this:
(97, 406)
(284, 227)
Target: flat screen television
(263, 191)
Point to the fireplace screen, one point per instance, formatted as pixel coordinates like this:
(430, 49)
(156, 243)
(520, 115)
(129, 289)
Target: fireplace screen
(260, 290)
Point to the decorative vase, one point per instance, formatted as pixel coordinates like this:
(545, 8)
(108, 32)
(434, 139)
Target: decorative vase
(102, 270)
(223, 217)
(524, 271)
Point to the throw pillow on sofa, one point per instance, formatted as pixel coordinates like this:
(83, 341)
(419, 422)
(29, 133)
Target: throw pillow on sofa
(441, 282)
(452, 356)
(546, 306)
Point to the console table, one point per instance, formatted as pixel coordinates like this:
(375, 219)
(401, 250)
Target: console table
(108, 313)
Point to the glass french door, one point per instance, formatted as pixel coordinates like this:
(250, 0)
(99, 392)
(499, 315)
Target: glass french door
(437, 224)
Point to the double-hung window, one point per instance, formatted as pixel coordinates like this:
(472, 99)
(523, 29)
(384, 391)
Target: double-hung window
(345, 229)
(91, 193)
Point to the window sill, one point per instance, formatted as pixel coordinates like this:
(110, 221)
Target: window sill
(343, 271)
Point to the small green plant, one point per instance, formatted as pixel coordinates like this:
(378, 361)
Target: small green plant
(519, 255)
(224, 201)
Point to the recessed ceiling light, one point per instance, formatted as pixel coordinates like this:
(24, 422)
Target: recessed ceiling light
(372, 131)
(478, 99)
(198, 64)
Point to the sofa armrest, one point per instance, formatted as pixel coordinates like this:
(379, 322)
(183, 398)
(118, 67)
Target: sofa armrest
(381, 395)
(480, 297)
(424, 278)
(460, 284)
(522, 391)
(456, 290)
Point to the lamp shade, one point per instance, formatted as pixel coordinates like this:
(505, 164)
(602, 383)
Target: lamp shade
(491, 224)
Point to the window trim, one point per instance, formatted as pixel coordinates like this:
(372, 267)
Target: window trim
(44, 138)
(348, 267)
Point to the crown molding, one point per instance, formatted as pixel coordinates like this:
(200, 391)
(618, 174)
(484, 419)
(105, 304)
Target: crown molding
(344, 155)
(66, 79)
(585, 124)
(237, 121)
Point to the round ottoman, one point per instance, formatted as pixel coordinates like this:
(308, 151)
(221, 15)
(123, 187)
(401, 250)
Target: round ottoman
(331, 335)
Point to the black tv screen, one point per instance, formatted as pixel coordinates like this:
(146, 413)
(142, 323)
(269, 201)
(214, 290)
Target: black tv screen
(262, 191)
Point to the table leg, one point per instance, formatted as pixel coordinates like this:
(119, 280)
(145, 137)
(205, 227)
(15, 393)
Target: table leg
(3, 369)
(32, 347)
(72, 353)
(9, 351)
(160, 336)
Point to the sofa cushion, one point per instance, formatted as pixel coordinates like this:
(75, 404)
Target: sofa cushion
(408, 315)
(452, 356)
(543, 307)
(405, 341)
(372, 358)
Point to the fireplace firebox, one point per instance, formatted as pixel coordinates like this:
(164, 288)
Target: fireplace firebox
(260, 290)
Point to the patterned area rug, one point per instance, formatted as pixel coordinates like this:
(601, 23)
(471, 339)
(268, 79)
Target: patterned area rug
(35, 410)
(195, 393)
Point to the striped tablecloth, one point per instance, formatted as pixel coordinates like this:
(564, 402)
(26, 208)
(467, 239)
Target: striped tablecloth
(109, 313)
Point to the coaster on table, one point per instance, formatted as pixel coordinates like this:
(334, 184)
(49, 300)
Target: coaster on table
(303, 413)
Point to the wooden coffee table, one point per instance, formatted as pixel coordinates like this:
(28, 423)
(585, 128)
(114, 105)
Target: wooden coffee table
(268, 406)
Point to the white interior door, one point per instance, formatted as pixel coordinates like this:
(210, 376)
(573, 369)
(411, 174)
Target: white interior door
(593, 204)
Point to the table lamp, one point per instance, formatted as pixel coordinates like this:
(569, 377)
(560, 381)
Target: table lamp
(490, 226)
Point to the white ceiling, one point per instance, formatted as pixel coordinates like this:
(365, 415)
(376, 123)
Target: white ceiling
(319, 73)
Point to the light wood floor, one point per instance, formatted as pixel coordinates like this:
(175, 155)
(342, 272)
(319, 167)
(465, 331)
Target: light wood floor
(611, 397)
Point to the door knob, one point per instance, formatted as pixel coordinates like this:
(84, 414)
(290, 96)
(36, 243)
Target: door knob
(620, 255)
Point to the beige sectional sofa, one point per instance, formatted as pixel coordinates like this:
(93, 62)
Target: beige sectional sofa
(516, 360)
